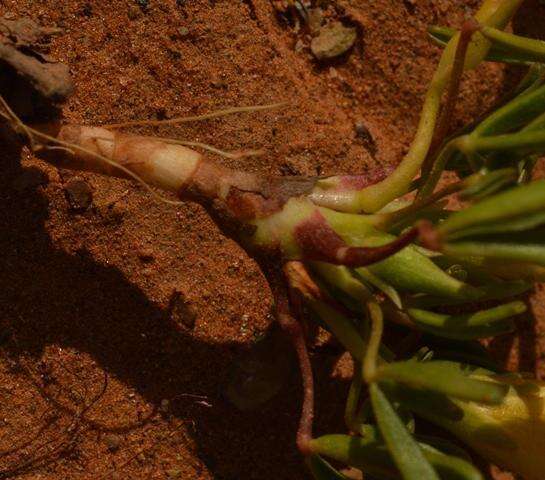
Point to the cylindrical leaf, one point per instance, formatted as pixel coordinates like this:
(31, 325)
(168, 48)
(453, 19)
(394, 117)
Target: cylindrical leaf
(322, 470)
(449, 378)
(520, 201)
(406, 453)
(373, 458)
(529, 49)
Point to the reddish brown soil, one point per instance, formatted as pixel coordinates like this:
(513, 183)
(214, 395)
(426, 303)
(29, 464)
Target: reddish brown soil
(84, 296)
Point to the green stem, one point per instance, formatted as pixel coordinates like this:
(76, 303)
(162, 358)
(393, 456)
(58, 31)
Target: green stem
(492, 13)
(341, 327)
(375, 336)
(427, 188)
(351, 411)
(441, 35)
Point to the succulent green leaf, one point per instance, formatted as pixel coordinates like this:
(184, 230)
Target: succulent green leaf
(471, 333)
(444, 377)
(515, 114)
(342, 327)
(341, 278)
(482, 317)
(480, 186)
(371, 455)
(506, 206)
(528, 222)
(517, 249)
(368, 454)
(464, 352)
(322, 470)
(450, 467)
(410, 271)
(523, 143)
(436, 407)
(528, 49)
(406, 453)
(369, 277)
(444, 446)
(407, 270)
(494, 290)
(467, 357)
(441, 36)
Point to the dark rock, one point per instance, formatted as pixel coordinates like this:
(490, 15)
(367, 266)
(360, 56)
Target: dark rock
(143, 4)
(183, 31)
(134, 12)
(146, 255)
(78, 194)
(113, 442)
(181, 311)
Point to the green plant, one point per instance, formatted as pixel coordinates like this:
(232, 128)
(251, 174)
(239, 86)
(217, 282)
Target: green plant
(349, 254)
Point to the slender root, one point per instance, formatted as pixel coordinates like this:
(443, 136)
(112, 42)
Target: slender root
(210, 148)
(197, 118)
(296, 335)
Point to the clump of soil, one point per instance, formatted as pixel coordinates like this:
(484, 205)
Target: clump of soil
(100, 375)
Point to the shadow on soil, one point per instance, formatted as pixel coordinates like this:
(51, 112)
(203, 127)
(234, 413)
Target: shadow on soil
(48, 297)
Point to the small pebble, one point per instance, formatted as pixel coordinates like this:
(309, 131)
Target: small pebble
(361, 129)
(78, 193)
(141, 457)
(165, 405)
(365, 136)
(143, 4)
(87, 10)
(145, 255)
(112, 441)
(333, 40)
(315, 17)
(299, 46)
(181, 311)
(134, 12)
(174, 473)
(148, 272)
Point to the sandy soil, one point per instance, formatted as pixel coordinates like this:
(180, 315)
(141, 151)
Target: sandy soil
(119, 324)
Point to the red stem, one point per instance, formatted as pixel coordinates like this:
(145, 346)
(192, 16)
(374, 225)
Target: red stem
(468, 29)
(296, 335)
